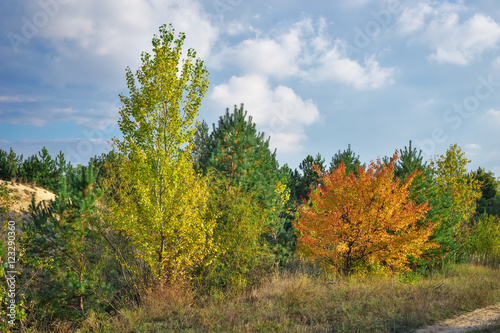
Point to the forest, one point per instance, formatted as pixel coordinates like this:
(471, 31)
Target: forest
(179, 218)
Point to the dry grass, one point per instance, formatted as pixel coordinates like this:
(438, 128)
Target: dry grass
(302, 303)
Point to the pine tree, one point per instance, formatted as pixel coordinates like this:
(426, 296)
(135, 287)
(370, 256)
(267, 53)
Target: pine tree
(489, 190)
(201, 144)
(238, 152)
(422, 184)
(351, 161)
(58, 245)
(306, 180)
(9, 164)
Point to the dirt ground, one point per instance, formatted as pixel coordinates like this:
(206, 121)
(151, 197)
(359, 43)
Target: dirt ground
(22, 195)
(472, 321)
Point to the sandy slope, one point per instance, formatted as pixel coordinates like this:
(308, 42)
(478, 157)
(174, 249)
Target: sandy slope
(22, 195)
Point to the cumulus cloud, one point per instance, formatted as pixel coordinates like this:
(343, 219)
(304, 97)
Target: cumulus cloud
(413, 19)
(115, 33)
(278, 112)
(267, 55)
(452, 38)
(367, 75)
(86, 47)
(304, 51)
(492, 116)
(461, 43)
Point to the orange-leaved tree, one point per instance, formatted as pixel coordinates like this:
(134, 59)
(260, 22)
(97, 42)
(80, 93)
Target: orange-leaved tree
(353, 223)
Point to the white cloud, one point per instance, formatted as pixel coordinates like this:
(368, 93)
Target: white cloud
(472, 146)
(472, 149)
(492, 116)
(269, 55)
(496, 63)
(17, 99)
(370, 75)
(413, 19)
(278, 112)
(453, 39)
(305, 52)
(461, 43)
(114, 33)
(429, 102)
(87, 45)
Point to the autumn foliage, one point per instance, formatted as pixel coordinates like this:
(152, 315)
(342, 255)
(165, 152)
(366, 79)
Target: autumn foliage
(354, 222)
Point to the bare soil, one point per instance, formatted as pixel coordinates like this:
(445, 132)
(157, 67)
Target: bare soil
(22, 194)
(468, 322)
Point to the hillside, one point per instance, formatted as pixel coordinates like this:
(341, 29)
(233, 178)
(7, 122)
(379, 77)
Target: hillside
(22, 195)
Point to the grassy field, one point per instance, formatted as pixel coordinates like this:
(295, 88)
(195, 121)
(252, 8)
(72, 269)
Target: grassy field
(299, 302)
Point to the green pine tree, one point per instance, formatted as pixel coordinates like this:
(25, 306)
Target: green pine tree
(489, 190)
(350, 160)
(306, 180)
(58, 247)
(238, 152)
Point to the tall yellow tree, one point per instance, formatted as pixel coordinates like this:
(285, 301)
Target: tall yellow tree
(158, 200)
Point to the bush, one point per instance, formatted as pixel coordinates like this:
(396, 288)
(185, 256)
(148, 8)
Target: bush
(484, 237)
(238, 237)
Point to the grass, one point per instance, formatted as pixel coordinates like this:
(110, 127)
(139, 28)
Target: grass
(299, 302)
(490, 329)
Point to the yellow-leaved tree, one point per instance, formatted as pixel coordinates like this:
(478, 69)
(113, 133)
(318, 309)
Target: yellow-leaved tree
(156, 198)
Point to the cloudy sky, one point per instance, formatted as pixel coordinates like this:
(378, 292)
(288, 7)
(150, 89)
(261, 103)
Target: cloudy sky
(315, 76)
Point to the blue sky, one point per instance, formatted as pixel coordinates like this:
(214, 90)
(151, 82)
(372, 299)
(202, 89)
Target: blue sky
(315, 76)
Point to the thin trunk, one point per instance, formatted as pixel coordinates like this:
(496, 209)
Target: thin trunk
(82, 262)
(80, 300)
(160, 255)
(160, 198)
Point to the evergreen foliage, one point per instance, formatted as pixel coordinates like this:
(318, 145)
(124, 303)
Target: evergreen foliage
(59, 248)
(9, 164)
(351, 161)
(306, 180)
(40, 169)
(490, 188)
(238, 152)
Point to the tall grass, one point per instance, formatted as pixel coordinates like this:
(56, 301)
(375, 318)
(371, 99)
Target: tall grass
(302, 302)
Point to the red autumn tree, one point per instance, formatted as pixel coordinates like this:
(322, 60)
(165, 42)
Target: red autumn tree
(355, 222)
